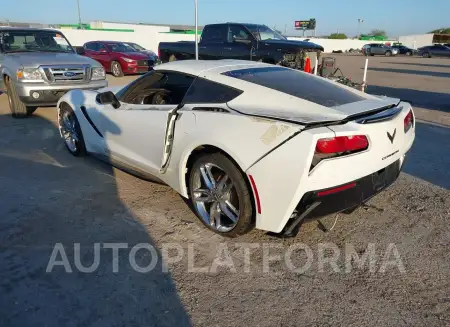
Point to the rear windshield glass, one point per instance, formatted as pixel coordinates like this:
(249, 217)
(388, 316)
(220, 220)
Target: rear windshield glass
(297, 84)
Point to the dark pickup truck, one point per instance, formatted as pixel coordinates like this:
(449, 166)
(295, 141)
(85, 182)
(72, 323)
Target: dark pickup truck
(241, 41)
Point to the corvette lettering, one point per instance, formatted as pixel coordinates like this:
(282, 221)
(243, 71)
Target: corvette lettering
(390, 155)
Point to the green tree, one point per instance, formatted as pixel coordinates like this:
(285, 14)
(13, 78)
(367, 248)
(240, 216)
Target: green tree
(338, 36)
(378, 32)
(445, 30)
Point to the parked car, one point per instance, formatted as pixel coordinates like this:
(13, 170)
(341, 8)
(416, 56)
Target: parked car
(139, 48)
(404, 50)
(38, 66)
(373, 49)
(301, 146)
(118, 58)
(436, 50)
(240, 41)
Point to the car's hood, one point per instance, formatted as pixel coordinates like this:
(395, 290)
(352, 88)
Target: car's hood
(149, 53)
(305, 112)
(293, 44)
(36, 59)
(134, 55)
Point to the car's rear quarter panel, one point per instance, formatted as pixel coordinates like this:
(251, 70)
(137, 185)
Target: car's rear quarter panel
(245, 139)
(284, 176)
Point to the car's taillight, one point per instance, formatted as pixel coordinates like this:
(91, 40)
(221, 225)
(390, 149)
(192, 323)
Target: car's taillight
(409, 121)
(342, 144)
(338, 146)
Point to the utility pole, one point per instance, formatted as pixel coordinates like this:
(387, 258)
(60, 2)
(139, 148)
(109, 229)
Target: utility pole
(196, 29)
(79, 15)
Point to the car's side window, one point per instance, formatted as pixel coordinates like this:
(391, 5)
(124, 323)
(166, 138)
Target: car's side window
(214, 34)
(157, 88)
(100, 47)
(204, 91)
(92, 46)
(237, 32)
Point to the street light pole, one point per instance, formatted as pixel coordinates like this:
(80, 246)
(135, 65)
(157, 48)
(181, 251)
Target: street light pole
(360, 20)
(196, 29)
(79, 14)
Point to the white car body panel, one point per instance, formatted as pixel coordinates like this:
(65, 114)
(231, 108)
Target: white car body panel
(276, 147)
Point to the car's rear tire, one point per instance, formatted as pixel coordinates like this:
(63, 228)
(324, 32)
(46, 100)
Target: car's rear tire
(388, 53)
(18, 108)
(116, 69)
(71, 131)
(426, 55)
(409, 53)
(220, 195)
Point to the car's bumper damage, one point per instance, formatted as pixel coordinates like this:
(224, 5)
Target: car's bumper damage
(319, 203)
(297, 191)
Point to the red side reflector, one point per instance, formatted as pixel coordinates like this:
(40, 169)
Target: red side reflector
(409, 121)
(342, 144)
(255, 190)
(336, 189)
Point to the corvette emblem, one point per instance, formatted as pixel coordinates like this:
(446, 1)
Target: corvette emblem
(391, 137)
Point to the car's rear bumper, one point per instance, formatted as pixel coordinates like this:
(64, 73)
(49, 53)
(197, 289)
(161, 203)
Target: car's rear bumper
(40, 94)
(342, 197)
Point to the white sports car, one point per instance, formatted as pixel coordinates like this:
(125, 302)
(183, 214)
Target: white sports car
(250, 144)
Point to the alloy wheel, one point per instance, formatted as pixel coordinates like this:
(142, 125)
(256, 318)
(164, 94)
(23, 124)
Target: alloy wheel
(69, 132)
(215, 198)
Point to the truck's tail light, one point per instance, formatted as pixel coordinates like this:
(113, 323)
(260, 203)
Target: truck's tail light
(409, 121)
(338, 146)
(342, 144)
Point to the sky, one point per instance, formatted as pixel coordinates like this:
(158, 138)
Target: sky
(396, 17)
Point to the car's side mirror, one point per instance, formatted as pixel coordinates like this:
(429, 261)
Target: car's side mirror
(80, 50)
(109, 97)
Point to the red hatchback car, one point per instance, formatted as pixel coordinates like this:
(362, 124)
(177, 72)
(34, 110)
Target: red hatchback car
(119, 58)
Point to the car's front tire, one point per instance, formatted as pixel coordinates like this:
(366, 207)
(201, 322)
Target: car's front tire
(71, 131)
(409, 53)
(426, 55)
(116, 69)
(388, 53)
(220, 195)
(18, 108)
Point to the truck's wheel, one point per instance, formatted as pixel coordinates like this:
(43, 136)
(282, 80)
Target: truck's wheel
(18, 108)
(172, 58)
(116, 69)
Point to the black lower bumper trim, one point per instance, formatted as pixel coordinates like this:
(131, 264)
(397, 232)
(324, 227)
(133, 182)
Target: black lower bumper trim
(348, 199)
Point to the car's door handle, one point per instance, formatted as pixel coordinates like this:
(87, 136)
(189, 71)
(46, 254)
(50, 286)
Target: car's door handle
(203, 47)
(228, 48)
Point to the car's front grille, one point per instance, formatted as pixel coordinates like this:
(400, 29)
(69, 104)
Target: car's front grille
(67, 73)
(143, 62)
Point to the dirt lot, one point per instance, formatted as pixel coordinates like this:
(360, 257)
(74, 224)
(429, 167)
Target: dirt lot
(49, 197)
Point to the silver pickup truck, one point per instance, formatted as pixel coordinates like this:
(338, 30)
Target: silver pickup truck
(38, 66)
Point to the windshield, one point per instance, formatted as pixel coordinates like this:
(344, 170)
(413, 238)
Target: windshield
(35, 41)
(136, 46)
(262, 33)
(120, 47)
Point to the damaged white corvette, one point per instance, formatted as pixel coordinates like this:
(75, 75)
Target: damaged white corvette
(250, 144)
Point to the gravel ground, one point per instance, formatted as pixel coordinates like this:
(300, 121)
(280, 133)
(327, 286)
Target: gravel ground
(50, 197)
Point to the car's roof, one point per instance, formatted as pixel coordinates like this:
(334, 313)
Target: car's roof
(10, 28)
(196, 67)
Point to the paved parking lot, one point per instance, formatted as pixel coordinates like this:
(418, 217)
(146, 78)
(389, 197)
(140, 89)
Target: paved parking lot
(49, 197)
